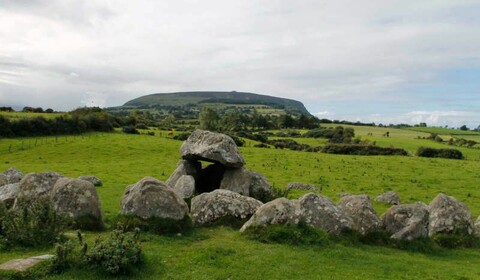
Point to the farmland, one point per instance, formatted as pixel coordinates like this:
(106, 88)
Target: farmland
(221, 253)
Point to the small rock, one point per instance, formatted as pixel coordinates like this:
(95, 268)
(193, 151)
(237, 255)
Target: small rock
(360, 210)
(391, 198)
(448, 215)
(301, 186)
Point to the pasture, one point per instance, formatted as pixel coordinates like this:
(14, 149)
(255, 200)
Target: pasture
(223, 253)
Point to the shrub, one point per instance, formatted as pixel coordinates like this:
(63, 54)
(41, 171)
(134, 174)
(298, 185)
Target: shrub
(261, 145)
(141, 126)
(182, 136)
(439, 153)
(367, 150)
(32, 224)
(130, 130)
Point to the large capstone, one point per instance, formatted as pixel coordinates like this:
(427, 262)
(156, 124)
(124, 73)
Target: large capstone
(222, 206)
(280, 211)
(213, 147)
(151, 198)
(360, 210)
(247, 182)
(448, 215)
(320, 212)
(406, 222)
(78, 199)
(36, 185)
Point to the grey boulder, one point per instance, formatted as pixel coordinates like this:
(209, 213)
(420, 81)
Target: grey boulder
(391, 198)
(185, 186)
(184, 167)
(248, 183)
(477, 227)
(448, 215)
(320, 212)
(36, 185)
(78, 199)
(3, 180)
(210, 208)
(406, 222)
(92, 179)
(151, 198)
(9, 193)
(280, 211)
(13, 175)
(360, 210)
(212, 146)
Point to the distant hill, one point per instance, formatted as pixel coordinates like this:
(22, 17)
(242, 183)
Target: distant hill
(198, 99)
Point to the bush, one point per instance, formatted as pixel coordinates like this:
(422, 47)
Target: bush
(130, 130)
(141, 126)
(154, 225)
(365, 150)
(439, 153)
(32, 224)
(261, 145)
(239, 142)
(182, 136)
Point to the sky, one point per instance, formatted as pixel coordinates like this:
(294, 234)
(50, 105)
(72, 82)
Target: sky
(385, 61)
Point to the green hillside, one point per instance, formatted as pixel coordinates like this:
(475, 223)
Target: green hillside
(197, 99)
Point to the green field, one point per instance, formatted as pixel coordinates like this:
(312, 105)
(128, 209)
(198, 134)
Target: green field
(14, 116)
(222, 253)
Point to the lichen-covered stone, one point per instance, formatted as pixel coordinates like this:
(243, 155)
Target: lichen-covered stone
(448, 215)
(36, 185)
(208, 208)
(360, 210)
(406, 222)
(185, 186)
(13, 175)
(184, 167)
(248, 183)
(320, 212)
(9, 193)
(151, 198)
(391, 198)
(78, 199)
(280, 211)
(3, 180)
(477, 227)
(212, 146)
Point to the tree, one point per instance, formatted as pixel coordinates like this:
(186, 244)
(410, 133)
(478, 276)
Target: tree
(209, 119)
(464, 128)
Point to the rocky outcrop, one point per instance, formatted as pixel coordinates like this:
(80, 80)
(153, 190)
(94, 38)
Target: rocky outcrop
(211, 146)
(391, 198)
(78, 199)
(92, 179)
(185, 186)
(320, 212)
(150, 198)
(210, 208)
(448, 215)
(36, 185)
(280, 211)
(9, 193)
(301, 186)
(406, 222)
(360, 211)
(247, 182)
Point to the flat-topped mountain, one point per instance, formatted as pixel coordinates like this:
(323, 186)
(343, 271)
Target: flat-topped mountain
(215, 98)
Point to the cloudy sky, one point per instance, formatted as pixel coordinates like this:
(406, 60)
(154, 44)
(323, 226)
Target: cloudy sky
(387, 61)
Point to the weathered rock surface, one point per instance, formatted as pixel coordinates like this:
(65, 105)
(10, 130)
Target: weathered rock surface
(448, 215)
(13, 175)
(3, 180)
(184, 167)
(208, 208)
(280, 211)
(9, 193)
(150, 198)
(35, 185)
(406, 222)
(391, 198)
(211, 146)
(360, 210)
(24, 264)
(301, 186)
(247, 182)
(92, 179)
(477, 227)
(321, 212)
(185, 186)
(78, 199)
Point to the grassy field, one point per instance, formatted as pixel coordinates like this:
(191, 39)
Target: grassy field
(222, 253)
(14, 116)
(443, 131)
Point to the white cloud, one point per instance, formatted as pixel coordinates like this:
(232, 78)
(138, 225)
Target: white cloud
(94, 99)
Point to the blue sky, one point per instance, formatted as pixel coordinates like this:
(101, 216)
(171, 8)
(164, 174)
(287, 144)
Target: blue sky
(387, 61)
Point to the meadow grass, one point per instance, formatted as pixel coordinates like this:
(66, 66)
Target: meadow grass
(220, 253)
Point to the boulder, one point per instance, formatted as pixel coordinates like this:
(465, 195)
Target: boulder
(320, 212)
(247, 182)
(9, 193)
(78, 199)
(406, 222)
(210, 208)
(211, 146)
(151, 198)
(92, 179)
(35, 185)
(360, 210)
(185, 186)
(477, 227)
(391, 198)
(3, 180)
(280, 211)
(13, 175)
(448, 215)
(184, 167)
(301, 186)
